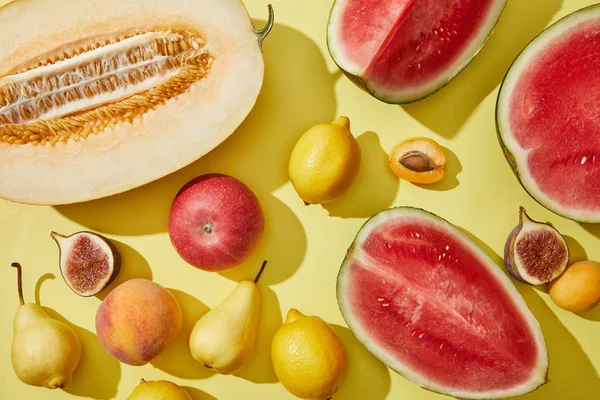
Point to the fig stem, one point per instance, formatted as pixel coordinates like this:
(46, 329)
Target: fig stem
(19, 281)
(262, 268)
(261, 34)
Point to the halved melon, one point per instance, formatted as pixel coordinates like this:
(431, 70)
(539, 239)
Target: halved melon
(401, 51)
(99, 97)
(548, 116)
(429, 303)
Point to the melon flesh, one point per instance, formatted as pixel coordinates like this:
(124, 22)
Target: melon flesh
(549, 117)
(123, 92)
(425, 300)
(404, 50)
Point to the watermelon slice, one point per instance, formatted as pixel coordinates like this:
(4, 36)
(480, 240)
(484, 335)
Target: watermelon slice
(401, 51)
(426, 301)
(548, 116)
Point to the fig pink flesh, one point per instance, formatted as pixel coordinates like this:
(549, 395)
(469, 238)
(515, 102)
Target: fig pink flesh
(433, 305)
(541, 253)
(405, 43)
(87, 264)
(553, 113)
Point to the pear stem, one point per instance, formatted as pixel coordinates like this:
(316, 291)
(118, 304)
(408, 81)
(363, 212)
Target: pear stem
(19, 281)
(262, 268)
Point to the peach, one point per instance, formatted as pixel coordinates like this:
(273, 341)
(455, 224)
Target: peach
(137, 321)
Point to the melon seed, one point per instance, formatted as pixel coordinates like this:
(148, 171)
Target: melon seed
(99, 84)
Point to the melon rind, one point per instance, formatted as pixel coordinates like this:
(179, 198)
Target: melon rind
(158, 143)
(515, 155)
(414, 95)
(539, 375)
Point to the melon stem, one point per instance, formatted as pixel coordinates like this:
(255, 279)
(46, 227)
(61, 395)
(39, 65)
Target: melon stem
(262, 268)
(19, 281)
(261, 34)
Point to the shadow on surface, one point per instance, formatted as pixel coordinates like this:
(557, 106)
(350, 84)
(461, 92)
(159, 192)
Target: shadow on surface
(571, 374)
(38, 286)
(298, 92)
(593, 314)
(367, 377)
(133, 265)
(447, 110)
(197, 394)
(283, 245)
(87, 381)
(594, 229)
(374, 188)
(576, 251)
(260, 368)
(176, 360)
(453, 168)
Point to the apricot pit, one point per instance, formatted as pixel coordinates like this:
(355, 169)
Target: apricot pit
(418, 160)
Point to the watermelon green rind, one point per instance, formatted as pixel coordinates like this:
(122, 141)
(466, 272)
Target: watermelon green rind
(515, 156)
(539, 376)
(394, 97)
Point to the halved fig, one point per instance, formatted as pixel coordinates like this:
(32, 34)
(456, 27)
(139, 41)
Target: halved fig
(535, 252)
(121, 92)
(88, 261)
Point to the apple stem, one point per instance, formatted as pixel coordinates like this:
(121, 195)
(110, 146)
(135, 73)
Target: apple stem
(262, 268)
(19, 281)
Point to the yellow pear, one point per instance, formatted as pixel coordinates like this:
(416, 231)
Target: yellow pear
(223, 339)
(45, 352)
(158, 390)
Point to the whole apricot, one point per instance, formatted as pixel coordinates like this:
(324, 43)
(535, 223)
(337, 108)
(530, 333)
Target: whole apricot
(578, 288)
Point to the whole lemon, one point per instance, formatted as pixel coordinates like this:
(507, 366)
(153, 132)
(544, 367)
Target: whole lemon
(578, 288)
(309, 358)
(158, 390)
(324, 162)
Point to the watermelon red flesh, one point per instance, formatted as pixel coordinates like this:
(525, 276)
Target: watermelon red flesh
(409, 45)
(553, 119)
(435, 308)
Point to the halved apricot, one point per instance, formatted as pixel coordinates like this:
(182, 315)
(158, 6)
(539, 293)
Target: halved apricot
(418, 160)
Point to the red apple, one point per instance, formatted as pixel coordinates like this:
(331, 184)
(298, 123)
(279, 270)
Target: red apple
(215, 222)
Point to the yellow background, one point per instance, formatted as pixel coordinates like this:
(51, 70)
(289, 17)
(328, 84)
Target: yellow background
(305, 245)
